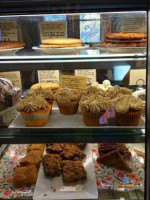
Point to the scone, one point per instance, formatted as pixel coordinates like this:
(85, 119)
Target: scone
(52, 164)
(73, 171)
(25, 176)
(32, 158)
(55, 148)
(39, 147)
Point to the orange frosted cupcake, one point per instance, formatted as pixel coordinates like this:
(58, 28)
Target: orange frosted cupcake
(34, 110)
(68, 100)
(128, 111)
(93, 108)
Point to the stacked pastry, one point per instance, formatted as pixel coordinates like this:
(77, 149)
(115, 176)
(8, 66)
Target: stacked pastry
(27, 172)
(60, 43)
(114, 155)
(125, 40)
(65, 159)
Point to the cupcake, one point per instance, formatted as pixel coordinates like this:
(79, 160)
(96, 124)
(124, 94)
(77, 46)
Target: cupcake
(128, 111)
(34, 110)
(93, 108)
(113, 92)
(68, 100)
(47, 94)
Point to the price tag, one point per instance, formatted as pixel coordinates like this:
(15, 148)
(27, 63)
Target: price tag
(48, 76)
(137, 76)
(89, 73)
(14, 77)
(73, 81)
(53, 29)
(8, 31)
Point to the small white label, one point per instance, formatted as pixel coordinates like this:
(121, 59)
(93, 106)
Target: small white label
(48, 76)
(137, 76)
(14, 77)
(53, 29)
(89, 73)
(8, 30)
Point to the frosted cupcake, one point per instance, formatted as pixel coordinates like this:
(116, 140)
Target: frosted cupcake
(93, 108)
(34, 110)
(128, 111)
(68, 100)
(47, 94)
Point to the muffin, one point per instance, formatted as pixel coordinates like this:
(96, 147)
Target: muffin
(68, 100)
(93, 108)
(128, 111)
(34, 110)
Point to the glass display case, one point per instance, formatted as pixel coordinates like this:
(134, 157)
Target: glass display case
(74, 111)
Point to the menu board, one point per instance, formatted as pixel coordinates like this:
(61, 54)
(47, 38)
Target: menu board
(89, 73)
(73, 81)
(48, 76)
(14, 77)
(53, 29)
(137, 77)
(8, 31)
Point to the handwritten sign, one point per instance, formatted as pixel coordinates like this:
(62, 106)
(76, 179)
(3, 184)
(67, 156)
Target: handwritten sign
(53, 29)
(89, 73)
(8, 31)
(48, 76)
(137, 77)
(73, 81)
(14, 77)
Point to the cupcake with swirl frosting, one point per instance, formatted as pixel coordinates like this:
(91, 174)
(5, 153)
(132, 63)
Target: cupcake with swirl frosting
(93, 108)
(128, 111)
(34, 110)
(47, 93)
(68, 100)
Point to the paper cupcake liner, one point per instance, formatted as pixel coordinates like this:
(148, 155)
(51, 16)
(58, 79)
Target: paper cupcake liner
(68, 108)
(37, 118)
(92, 119)
(131, 118)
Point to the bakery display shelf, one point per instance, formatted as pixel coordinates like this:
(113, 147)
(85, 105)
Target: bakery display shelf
(10, 157)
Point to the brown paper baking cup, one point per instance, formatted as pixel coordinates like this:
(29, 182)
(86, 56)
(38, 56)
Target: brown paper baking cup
(92, 119)
(131, 118)
(68, 108)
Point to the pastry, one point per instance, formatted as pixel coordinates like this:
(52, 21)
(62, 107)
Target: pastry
(39, 147)
(128, 111)
(114, 159)
(55, 148)
(126, 36)
(134, 44)
(52, 164)
(9, 95)
(73, 171)
(105, 148)
(11, 45)
(126, 41)
(25, 176)
(93, 107)
(59, 45)
(46, 93)
(53, 86)
(34, 110)
(68, 100)
(62, 41)
(72, 152)
(34, 157)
